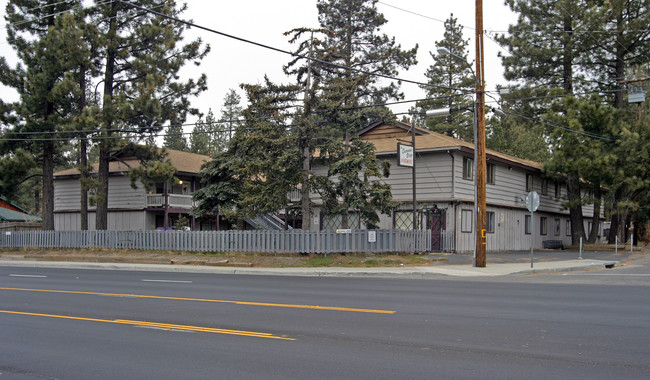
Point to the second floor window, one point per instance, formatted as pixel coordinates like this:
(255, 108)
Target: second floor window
(529, 182)
(468, 168)
(544, 187)
(490, 173)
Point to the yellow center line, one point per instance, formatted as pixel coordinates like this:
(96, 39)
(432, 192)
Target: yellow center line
(313, 307)
(154, 324)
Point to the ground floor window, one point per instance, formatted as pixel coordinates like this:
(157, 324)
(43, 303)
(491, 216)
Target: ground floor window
(527, 224)
(403, 219)
(467, 220)
(568, 227)
(489, 221)
(542, 225)
(557, 228)
(335, 222)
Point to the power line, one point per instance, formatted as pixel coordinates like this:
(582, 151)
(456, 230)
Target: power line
(302, 56)
(566, 129)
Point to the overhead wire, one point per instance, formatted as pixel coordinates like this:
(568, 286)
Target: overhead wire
(293, 54)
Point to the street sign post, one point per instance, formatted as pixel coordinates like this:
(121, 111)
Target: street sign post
(532, 203)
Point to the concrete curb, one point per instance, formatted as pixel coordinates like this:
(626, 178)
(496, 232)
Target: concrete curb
(492, 270)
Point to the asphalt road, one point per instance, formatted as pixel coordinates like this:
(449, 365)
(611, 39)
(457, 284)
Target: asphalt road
(92, 324)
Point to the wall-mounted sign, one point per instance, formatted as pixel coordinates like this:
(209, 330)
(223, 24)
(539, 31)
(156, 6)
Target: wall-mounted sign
(405, 155)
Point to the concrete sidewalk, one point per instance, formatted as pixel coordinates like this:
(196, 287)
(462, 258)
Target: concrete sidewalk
(428, 271)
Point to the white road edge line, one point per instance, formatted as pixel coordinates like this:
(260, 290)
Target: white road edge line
(27, 275)
(183, 282)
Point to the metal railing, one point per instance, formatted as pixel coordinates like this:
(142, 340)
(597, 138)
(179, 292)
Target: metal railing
(293, 241)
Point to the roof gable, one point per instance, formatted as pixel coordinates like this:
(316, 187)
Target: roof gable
(385, 136)
(382, 130)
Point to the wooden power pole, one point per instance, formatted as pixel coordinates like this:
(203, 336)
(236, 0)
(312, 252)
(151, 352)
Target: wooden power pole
(479, 144)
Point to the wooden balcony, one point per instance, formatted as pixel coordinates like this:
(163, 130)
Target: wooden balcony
(175, 201)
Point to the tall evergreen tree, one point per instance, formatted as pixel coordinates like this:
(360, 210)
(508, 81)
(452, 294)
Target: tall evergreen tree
(545, 52)
(141, 90)
(260, 167)
(265, 150)
(200, 137)
(231, 113)
(445, 76)
(363, 54)
(308, 76)
(356, 169)
(175, 139)
(577, 46)
(622, 42)
(49, 48)
(360, 55)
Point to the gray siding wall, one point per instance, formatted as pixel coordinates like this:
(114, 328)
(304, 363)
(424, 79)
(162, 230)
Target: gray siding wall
(433, 173)
(117, 221)
(120, 194)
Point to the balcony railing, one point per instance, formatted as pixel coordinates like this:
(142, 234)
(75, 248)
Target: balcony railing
(175, 201)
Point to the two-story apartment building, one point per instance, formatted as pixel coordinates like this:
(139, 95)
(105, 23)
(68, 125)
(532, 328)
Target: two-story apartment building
(133, 209)
(445, 193)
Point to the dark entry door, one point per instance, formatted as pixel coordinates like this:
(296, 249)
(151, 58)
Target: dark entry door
(436, 222)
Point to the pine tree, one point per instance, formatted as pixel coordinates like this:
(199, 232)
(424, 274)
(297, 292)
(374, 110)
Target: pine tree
(260, 167)
(622, 42)
(231, 113)
(577, 46)
(355, 79)
(445, 77)
(200, 137)
(354, 25)
(356, 168)
(544, 52)
(49, 45)
(142, 55)
(175, 139)
(265, 151)
(308, 76)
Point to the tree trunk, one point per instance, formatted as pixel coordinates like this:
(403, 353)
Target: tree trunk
(83, 157)
(577, 225)
(621, 51)
(567, 59)
(101, 215)
(48, 186)
(83, 206)
(595, 219)
(615, 220)
(304, 190)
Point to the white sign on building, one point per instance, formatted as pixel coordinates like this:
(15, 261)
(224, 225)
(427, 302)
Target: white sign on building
(405, 155)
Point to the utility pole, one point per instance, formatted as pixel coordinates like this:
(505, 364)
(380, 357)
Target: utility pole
(415, 202)
(306, 146)
(480, 141)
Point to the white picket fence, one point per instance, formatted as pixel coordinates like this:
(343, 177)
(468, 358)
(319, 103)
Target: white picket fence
(260, 241)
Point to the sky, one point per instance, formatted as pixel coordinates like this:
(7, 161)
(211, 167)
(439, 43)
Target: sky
(231, 63)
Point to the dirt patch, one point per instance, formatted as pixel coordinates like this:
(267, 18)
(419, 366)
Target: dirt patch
(362, 260)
